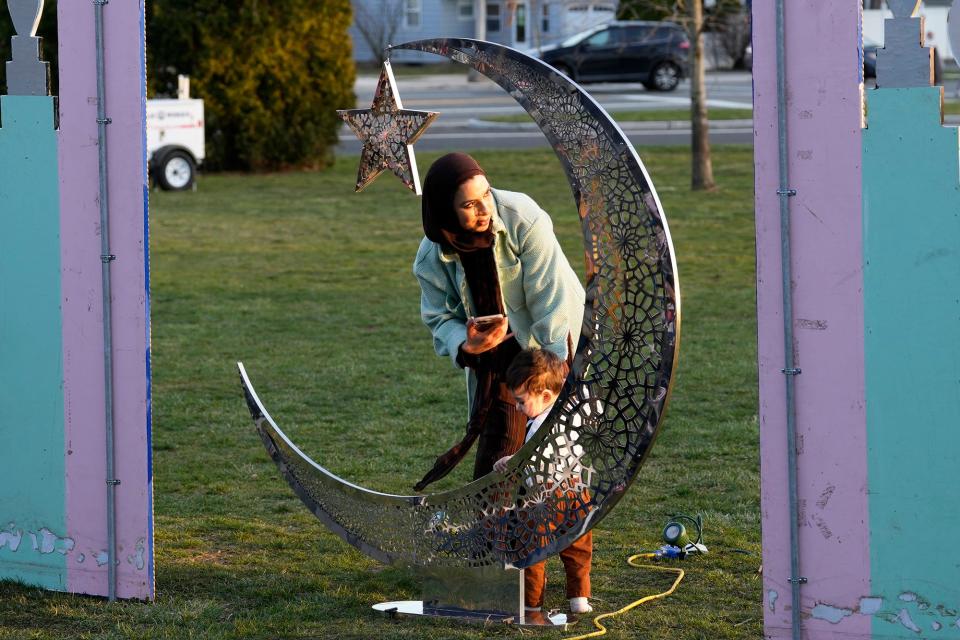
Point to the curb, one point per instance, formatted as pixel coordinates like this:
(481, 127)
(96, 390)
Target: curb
(649, 125)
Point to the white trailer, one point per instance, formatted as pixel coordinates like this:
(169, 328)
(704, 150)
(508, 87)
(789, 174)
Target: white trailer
(175, 141)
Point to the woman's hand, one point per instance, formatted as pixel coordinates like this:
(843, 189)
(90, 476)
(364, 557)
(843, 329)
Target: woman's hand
(479, 341)
(501, 465)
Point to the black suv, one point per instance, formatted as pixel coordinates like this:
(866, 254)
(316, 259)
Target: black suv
(654, 53)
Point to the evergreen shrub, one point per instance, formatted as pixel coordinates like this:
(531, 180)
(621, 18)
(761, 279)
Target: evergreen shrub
(271, 75)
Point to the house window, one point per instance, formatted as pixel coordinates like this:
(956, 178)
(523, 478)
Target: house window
(545, 23)
(493, 16)
(465, 9)
(412, 9)
(521, 20)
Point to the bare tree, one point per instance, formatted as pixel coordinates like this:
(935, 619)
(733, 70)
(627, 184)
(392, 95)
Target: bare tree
(688, 14)
(378, 24)
(701, 171)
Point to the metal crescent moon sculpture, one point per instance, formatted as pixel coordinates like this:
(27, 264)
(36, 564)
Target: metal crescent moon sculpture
(611, 407)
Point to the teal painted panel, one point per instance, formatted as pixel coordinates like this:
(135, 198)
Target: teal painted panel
(911, 217)
(33, 542)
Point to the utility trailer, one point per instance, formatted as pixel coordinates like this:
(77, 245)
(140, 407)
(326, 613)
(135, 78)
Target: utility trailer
(175, 140)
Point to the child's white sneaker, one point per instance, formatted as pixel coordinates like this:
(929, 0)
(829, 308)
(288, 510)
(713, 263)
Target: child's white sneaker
(580, 605)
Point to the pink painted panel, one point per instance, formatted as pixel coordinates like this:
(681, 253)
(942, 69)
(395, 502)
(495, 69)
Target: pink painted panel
(824, 118)
(82, 310)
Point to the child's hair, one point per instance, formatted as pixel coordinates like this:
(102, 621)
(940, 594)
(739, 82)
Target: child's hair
(534, 370)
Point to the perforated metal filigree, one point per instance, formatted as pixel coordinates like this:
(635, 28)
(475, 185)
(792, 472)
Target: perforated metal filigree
(589, 450)
(388, 132)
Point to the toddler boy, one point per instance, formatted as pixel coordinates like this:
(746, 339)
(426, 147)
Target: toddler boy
(535, 378)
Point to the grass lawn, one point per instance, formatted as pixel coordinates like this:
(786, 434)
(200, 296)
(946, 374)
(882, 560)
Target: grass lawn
(648, 115)
(951, 107)
(310, 285)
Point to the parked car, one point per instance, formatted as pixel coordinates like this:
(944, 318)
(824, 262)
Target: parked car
(654, 53)
(870, 58)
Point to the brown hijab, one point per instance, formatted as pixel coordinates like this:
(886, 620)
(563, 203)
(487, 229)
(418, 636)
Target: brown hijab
(440, 222)
(475, 251)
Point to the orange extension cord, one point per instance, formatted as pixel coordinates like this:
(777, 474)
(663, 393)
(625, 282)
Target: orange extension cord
(601, 630)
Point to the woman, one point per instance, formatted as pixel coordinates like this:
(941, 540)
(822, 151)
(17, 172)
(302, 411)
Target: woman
(489, 252)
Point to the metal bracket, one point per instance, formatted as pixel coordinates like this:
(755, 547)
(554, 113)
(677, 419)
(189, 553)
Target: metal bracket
(791, 372)
(113, 482)
(108, 258)
(101, 2)
(786, 192)
(104, 121)
(800, 580)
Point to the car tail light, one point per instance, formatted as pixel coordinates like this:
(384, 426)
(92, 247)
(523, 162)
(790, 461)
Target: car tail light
(684, 44)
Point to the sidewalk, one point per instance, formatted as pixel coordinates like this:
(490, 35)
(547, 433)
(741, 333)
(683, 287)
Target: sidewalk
(627, 126)
(485, 94)
(365, 84)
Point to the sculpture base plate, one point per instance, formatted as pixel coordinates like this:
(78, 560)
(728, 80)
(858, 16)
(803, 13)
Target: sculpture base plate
(530, 619)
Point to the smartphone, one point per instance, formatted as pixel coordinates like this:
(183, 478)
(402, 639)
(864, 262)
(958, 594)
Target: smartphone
(485, 323)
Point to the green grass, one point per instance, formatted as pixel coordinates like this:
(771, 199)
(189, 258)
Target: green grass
(310, 285)
(951, 107)
(648, 115)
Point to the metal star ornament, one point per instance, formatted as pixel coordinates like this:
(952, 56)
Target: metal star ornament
(388, 132)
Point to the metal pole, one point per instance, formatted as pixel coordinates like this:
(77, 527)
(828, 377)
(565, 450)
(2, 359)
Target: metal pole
(789, 370)
(105, 259)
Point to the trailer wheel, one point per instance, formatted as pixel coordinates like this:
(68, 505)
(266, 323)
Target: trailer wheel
(176, 171)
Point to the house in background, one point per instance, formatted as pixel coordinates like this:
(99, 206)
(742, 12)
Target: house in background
(522, 24)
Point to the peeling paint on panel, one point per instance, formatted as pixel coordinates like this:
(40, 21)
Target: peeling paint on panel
(772, 599)
(831, 614)
(921, 602)
(825, 496)
(101, 557)
(81, 558)
(50, 542)
(812, 325)
(936, 626)
(138, 559)
(822, 526)
(946, 613)
(907, 621)
(11, 538)
(869, 606)
(43, 541)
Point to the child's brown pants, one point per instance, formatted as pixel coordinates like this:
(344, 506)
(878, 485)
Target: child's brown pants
(576, 563)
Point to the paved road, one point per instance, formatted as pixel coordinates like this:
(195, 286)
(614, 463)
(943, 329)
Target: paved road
(463, 105)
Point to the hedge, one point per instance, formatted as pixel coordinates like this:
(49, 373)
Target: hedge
(271, 73)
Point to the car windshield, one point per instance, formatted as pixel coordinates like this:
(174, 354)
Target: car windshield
(577, 38)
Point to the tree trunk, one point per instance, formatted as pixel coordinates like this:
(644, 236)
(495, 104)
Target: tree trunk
(701, 175)
(479, 32)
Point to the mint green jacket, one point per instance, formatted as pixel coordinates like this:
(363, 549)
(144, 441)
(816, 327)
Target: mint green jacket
(542, 295)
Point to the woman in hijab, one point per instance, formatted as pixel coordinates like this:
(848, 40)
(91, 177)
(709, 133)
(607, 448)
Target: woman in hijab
(488, 252)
